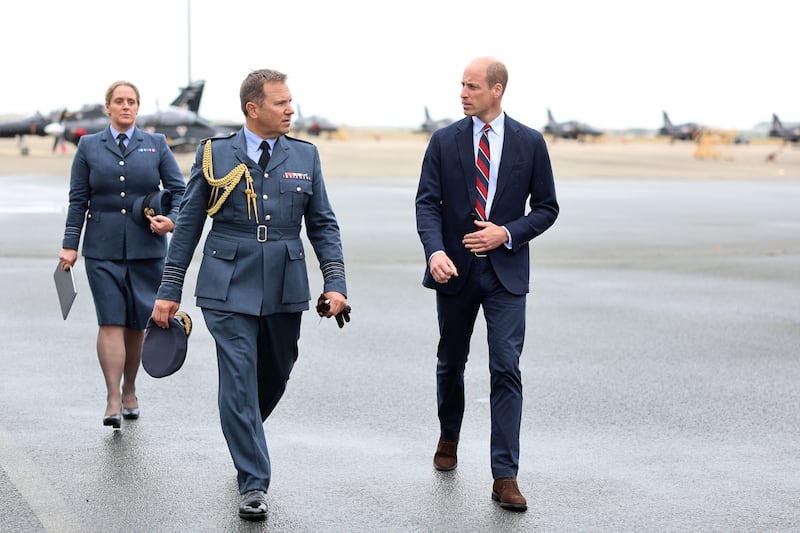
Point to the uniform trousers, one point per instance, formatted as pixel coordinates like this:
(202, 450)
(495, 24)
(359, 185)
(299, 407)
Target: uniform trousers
(505, 321)
(255, 355)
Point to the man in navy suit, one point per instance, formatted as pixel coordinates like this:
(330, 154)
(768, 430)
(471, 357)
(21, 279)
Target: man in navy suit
(474, 223)
(259, 187)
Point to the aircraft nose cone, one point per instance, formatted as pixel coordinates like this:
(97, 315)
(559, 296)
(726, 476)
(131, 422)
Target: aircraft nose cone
(54, 129)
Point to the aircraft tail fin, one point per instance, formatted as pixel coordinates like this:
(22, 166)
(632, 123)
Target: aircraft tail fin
(667, 121)
(190, 96)
(550, 120)
(776, 123)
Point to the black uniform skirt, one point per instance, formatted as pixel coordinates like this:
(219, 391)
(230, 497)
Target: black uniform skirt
(124, 291)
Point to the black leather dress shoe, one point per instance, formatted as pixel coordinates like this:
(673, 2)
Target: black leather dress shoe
(253, 505)
(114, 420)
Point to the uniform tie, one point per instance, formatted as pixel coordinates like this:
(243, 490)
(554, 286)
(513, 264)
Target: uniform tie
(482, 173)
(121, 140)
(264, 159)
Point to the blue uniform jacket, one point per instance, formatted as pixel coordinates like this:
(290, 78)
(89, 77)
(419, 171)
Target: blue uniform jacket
(253, 261)
(103, 187)
(524, 202)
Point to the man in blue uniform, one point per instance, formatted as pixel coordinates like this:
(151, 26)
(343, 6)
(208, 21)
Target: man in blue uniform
(252, 285)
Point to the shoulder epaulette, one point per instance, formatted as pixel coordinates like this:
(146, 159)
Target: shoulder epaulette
(297, 139)
(218, 137)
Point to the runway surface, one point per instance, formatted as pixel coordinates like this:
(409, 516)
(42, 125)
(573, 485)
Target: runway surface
(660, 374)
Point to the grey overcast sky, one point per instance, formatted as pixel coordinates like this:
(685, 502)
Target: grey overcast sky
(614, 64)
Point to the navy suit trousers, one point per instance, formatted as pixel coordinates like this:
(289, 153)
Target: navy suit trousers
(505, 321)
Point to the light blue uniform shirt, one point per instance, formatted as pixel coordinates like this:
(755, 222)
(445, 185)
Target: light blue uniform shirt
(254, 145)
(116, 133)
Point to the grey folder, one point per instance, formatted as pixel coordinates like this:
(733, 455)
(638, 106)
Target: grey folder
(66, 288)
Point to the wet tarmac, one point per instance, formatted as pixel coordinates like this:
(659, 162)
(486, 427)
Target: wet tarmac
(661, 373)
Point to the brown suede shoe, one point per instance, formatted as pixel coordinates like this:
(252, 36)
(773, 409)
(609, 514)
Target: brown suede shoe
(445, 457)
(506, 491)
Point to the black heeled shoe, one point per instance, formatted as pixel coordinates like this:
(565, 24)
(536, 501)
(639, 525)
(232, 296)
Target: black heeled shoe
(131, 413)
(114, 420)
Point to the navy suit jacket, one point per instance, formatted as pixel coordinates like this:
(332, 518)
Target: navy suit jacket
(103, 186)
(446, 198)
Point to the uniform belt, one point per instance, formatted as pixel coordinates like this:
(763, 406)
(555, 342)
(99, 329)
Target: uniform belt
(260, 232)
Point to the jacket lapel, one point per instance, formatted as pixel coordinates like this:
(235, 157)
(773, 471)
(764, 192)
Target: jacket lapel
(510, 152)
(135, 142)
(466, 154)
(110, 142)
(280, 153)
(239, 146)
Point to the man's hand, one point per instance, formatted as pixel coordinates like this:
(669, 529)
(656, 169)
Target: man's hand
(334, 304)
(163, 310)
(442, 268)
(487, 237)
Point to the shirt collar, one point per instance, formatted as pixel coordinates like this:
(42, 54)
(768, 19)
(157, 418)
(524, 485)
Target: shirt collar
(115, 133)
(497, 124)
(254, 141)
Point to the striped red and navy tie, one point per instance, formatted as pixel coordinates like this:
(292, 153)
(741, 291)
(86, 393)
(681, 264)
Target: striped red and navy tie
(482, 174)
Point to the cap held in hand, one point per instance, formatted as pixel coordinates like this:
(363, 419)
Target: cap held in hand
(164, 349)
(155, 203)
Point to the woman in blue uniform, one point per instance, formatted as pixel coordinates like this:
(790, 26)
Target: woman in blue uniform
(113, 171)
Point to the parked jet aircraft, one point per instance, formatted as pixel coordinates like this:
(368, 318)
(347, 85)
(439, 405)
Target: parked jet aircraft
(570, 129)
(681, 132)
(179, 122)
(430, 125)
(790, 132)
(313, 125)
(88, 119)
(32, 125)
